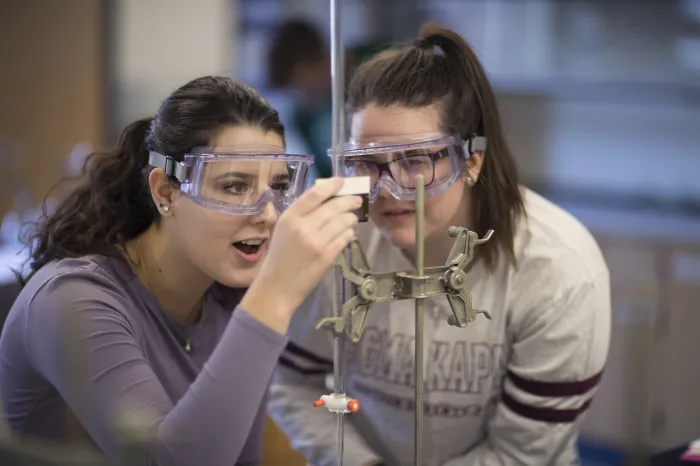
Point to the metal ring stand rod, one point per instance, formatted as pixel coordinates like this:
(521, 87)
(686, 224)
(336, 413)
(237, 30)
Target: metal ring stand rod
(420, 264)
(338, 138)
(338, 290)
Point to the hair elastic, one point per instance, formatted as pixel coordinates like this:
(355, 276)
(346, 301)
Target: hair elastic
(420, 44)
(429, 43)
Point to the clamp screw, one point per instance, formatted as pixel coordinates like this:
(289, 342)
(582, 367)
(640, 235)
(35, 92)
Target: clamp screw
(455, 278)
(368, 288)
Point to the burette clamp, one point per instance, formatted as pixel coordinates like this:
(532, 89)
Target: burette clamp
(369, 288)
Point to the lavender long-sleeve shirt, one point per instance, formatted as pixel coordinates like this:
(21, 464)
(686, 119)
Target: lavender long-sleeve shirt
(206, 407)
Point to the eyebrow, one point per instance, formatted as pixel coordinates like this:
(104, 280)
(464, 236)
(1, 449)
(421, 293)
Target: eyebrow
(248, 176)
(398, 155)
(417, 152)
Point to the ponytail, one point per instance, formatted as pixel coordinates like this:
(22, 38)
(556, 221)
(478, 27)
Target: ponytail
(111, 206)
(496, 197)
(461, 58)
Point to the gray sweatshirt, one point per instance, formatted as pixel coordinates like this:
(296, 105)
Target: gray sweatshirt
(204, 407)
(512, 391)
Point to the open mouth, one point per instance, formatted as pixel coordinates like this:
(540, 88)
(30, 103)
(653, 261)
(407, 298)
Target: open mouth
(398, 213)
(249, 247)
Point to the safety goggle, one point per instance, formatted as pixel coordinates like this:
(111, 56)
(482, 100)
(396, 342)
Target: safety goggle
(394, 163)
(238, 180)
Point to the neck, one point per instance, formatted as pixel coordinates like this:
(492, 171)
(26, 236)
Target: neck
(436, 251)
(439, 244)
(176, 284)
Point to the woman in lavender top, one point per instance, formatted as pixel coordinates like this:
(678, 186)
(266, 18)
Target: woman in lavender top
(162, 280)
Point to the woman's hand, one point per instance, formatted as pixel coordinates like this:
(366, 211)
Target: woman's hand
(308, 237)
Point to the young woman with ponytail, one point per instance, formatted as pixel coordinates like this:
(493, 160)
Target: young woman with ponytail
(148, 298)
(508, 391)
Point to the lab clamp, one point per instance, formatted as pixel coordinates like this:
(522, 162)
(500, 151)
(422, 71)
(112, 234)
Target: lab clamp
(448, 280)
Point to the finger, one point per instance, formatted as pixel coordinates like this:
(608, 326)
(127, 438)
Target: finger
(331, 209)
(331, 230)
(339, 243)
(316, 195)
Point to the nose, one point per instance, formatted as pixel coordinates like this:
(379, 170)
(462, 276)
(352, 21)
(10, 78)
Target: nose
(268, 216)
(384, 172)
(384, 175)
(384, 193)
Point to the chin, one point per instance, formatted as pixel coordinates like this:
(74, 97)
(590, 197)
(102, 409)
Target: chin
(241, 269)
(401, 237)
(238, 276)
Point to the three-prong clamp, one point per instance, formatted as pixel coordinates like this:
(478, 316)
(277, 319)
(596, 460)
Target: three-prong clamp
(449, 280)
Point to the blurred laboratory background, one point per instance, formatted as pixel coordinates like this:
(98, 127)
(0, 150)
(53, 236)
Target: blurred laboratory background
(600, 100)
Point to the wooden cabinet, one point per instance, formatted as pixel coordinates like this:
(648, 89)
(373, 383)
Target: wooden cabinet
(649, 399)
(677, 395)
(276, 449)
(51, 89)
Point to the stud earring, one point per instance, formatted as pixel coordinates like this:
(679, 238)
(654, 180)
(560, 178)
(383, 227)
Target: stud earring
(166, 208)
(470, 181)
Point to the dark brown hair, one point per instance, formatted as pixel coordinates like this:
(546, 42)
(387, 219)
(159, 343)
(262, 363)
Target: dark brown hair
(441, 69)
(113, 203)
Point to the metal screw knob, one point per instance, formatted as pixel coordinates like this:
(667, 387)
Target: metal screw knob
(368, 288)
(455, 279)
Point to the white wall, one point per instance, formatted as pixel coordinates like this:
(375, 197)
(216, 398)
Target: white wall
(638, 133)
(161, 44)
(651, 149)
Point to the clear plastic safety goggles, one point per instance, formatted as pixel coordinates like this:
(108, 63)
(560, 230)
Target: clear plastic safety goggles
(238, 180)
(395, 162)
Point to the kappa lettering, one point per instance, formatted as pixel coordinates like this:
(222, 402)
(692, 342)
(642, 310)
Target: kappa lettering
(409, 404)
(452, 367)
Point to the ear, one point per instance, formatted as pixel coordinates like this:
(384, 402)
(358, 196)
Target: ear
(474, 164)
(162, 191)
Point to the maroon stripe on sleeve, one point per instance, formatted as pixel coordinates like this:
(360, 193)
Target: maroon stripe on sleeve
(555, 389)
(549, 415)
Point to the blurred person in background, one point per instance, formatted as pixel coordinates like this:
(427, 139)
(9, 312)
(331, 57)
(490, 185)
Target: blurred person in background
(169, 278)
(508, 391)
(300, 83)
(299, 74)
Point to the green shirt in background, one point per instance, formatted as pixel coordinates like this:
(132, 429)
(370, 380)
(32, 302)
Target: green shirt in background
(315, 125)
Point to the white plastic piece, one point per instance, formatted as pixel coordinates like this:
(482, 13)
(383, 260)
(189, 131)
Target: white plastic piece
(353, 185)
(339, 404)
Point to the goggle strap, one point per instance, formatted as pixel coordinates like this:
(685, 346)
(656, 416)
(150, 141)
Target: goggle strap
(475, 144)
(169, 165)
